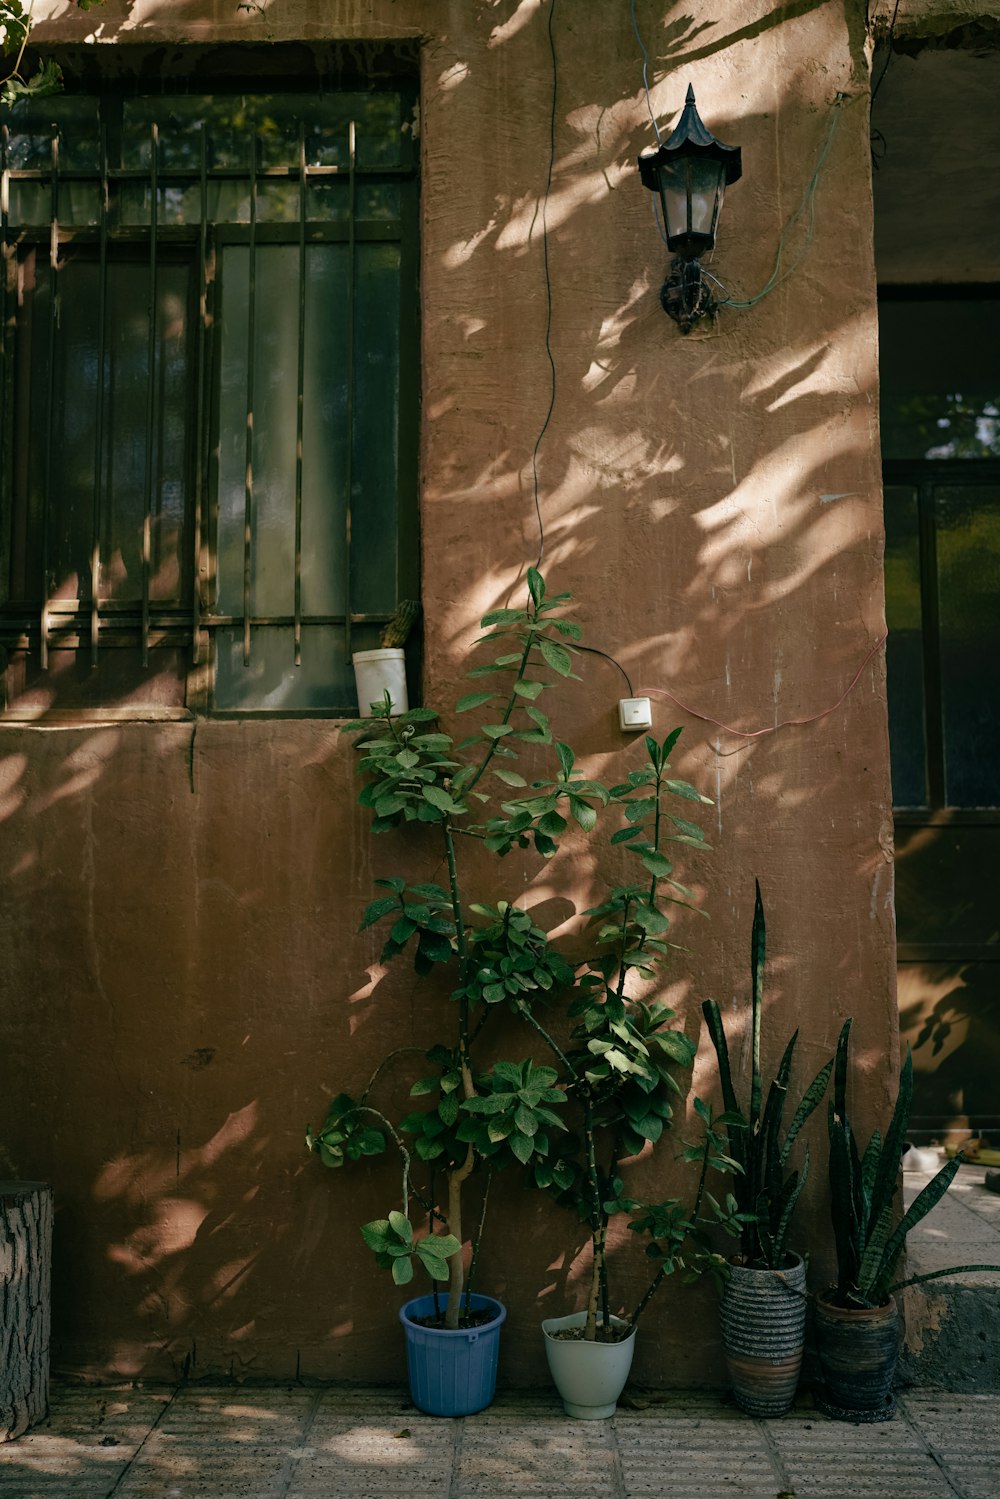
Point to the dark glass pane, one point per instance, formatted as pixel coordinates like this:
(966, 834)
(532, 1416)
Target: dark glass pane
(73, 119)
(235, 124)
(324, 432)
(61, 403)
(227, 122)
(31, 203)
(904, 648)
(939, 368)
(275, 366)
(326, 413)
(375, 486)
(968, 559)
(273, 683)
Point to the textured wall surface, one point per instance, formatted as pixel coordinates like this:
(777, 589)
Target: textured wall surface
(183, 985)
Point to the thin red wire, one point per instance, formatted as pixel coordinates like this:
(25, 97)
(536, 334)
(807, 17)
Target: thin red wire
(787, 723)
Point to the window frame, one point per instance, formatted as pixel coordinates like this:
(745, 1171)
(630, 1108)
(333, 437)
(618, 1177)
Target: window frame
(196, 626)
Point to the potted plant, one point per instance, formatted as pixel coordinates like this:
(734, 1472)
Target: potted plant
(490, 957)
(763, 1306)
(381, 672)
(617, 1070)
(857, 1320)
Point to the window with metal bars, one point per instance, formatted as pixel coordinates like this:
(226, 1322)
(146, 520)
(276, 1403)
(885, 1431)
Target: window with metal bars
(940, 419)
(210, 390)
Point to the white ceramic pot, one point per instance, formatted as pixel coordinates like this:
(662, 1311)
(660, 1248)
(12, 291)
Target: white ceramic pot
(378, 672)
(588, 1376)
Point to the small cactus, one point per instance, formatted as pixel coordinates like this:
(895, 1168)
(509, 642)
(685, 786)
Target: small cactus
(397, 629)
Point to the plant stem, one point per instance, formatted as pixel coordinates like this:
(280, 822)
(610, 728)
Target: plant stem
(363, 1108)
(511, 705)
(651, 1291)
(477, 1241)
(400, 1051)
(596, 1222)
(525, 1010)
(456, 1276)
(15, 71)
(457, 1177)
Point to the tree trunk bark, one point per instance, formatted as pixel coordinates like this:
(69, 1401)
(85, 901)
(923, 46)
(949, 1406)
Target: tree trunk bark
(25, 1308)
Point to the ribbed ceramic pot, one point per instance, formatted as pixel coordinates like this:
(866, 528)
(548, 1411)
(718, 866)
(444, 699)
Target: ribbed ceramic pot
(763, 1318)
(858, 1348)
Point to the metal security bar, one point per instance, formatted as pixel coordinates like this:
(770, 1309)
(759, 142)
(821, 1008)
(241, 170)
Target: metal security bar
(177, 197)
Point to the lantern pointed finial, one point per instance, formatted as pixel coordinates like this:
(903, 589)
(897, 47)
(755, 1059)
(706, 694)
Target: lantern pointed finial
(691, 132)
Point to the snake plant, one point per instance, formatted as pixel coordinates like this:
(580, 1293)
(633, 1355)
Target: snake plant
(869, 1240)
(765, 1191)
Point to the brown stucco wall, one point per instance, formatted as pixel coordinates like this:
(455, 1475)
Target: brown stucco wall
(183, 985)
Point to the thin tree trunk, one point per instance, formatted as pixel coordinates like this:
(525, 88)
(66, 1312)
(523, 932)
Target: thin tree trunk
(456, 1266)
(25, 1308)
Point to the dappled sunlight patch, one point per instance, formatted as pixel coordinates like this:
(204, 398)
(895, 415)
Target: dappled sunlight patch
(174, 1228)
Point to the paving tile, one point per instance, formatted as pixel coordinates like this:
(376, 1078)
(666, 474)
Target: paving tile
(838, 1460)
(302, 1443)
(964, 1433)
(537, 1462)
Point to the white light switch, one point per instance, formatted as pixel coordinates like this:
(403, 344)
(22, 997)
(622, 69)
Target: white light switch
(635, 713)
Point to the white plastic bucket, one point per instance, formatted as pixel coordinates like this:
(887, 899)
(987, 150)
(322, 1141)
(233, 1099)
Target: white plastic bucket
(378, 672)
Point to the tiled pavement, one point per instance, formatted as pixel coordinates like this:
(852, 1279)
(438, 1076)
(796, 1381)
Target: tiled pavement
(294, 1442)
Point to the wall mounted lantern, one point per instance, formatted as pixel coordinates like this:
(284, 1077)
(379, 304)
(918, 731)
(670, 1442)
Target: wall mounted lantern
(690, 171)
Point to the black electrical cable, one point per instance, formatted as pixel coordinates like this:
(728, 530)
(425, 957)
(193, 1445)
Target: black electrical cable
(596, 651)
(548, 288)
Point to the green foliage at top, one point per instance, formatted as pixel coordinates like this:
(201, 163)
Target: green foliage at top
(15, 26)
(765, 1190)
(509, 783)
(863, 1188)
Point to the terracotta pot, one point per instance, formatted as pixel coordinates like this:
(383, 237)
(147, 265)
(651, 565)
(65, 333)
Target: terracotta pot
(763, 1317)
(858, 1349)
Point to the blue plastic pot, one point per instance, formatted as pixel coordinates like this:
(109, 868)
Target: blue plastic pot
(452, 1373)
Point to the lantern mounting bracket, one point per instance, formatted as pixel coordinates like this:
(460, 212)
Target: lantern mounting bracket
(684, 295)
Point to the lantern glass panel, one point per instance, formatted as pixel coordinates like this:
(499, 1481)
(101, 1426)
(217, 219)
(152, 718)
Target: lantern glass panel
(691, 192)
(673, 196)
(707, 185)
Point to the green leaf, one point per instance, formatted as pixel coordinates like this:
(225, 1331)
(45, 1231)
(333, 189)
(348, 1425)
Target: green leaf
(377, 909)
(400, 1225)
(402, 1270)
(657, 865)
(681, 788)
(403, 930)
(502, 617)
(566, 759)
(536, 586)
(522, 1146)
(439, 799)
(434, 1251)
(556, 656)
(377, 1234)
(509, 777)
(529, 690)
(430, 892)
(473, 700)
(584, 814)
